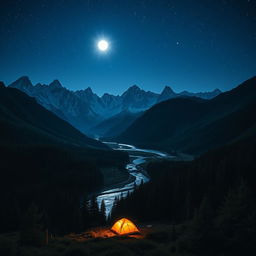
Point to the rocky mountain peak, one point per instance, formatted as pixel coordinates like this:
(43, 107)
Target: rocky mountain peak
(134, 87)
(22, 83)
(106, 95)
(24, 79)
(217, 90)
(88, 90)
(132, 90)
(168, 90)
(55, 83)
(166, 94)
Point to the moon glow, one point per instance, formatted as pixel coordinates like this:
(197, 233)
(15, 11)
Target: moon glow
(103, 45)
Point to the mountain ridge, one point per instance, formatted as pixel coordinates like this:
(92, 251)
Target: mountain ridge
(84, 109)
(190, 122)
(24, 121)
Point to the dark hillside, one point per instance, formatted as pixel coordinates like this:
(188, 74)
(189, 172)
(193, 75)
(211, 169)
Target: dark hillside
(46, 164)
(23, 121)
(194, 125)
(212, 197)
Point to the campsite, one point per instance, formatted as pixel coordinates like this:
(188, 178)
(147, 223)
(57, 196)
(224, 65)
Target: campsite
(153, 240)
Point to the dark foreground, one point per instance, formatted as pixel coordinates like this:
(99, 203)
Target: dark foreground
(158, 239)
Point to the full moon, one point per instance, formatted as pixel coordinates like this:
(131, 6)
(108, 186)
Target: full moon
(103, 45)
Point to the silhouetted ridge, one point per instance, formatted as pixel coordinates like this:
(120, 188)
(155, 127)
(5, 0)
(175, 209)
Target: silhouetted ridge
(26, 122)
(55, 83)
(2, 85)
(195, 125)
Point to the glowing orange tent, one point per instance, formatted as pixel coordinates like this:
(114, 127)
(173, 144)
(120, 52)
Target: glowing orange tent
(124, 227)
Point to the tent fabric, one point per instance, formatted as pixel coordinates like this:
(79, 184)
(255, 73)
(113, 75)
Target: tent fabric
(124, 226)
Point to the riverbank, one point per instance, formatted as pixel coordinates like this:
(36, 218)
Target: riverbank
(116, 182)
(139, 158)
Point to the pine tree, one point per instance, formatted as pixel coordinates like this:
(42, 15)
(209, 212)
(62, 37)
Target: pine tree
(236, 221)
(114, 212)
(199, 238)
(31, 228)
(187, 207)
(203, 218)
(76, 221)
(94, 212)
(94, 207)
(85, 215)
(103, 213)
(134, 185)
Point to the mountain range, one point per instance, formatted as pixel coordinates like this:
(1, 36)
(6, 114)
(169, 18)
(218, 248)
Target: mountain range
(195, 125)
(27, 126)
(47, 162)
(84, 109)
(25, 122)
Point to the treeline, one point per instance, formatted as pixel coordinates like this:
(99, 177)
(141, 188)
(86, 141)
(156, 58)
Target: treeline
(215, 196)
(37, 226)
(50, 182)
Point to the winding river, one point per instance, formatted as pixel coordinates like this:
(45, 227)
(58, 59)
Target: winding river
(135, 167)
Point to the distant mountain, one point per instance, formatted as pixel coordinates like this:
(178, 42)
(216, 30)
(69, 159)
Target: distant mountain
(105, 106)
(203, 95)
(62, 102)
(84, 109)
(167, 94)
(136, 99)
(133, 100)
(24, 122)
(115, 125)
(195, 125)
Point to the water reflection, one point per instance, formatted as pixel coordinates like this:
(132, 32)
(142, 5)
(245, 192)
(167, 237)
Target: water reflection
(133, 168)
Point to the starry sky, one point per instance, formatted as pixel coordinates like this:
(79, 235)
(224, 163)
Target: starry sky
(188, 45)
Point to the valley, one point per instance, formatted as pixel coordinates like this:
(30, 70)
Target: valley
(138, 159)
(127, 128)
(172, 165)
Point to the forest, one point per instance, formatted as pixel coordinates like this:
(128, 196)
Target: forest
(51, 182)
(213, 198)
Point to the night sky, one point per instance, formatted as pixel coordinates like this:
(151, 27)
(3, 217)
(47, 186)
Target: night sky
(188, 45)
